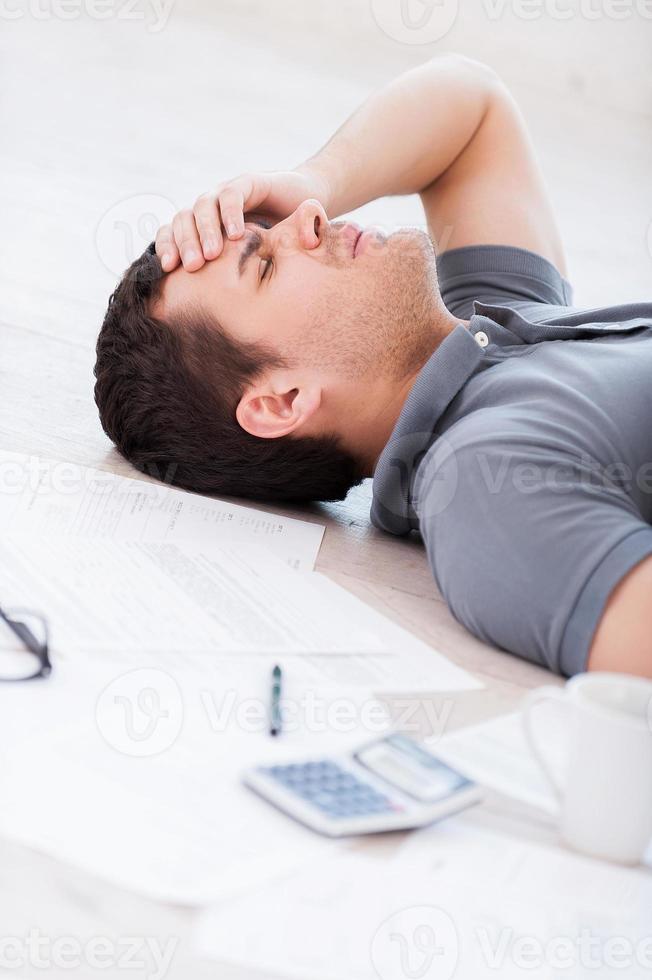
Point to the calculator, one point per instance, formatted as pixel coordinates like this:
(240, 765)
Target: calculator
(392, 783)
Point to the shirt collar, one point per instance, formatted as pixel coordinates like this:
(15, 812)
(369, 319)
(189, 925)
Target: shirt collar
(438, 382)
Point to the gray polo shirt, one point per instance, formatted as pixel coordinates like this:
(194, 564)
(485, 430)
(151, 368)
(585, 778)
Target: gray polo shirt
(523, 455)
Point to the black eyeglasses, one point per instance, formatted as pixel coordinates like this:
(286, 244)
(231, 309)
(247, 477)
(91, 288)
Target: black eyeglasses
(33, 659)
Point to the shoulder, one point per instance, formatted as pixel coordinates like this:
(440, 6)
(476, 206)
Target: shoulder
(516, 530)
(482, 457)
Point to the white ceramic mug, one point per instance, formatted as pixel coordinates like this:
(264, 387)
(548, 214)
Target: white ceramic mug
(606, 802)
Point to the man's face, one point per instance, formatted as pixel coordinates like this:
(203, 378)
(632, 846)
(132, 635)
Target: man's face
(324, 296)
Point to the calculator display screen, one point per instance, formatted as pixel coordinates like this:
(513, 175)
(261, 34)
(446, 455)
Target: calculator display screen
(409, 767)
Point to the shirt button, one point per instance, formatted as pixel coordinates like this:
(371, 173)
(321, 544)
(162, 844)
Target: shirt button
(481, 338)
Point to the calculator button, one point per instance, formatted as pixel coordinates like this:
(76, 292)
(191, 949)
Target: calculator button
(328, 769)
(355, 809)
(338, 805)
(322, 799)
(362, 799)
(330, 784)
(279, 770)
(288, 779)
(272, 770)
(361, 792)
(342, 810)
(382, 806)
(346, 781)
(332, 790)
(312, 793)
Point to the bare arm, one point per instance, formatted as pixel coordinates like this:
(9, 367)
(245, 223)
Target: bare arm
(447, 130)
(623, 639)
(407, 134)
(450, 131)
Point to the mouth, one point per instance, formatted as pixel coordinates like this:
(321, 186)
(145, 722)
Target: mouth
(372, 238)
(351, 235)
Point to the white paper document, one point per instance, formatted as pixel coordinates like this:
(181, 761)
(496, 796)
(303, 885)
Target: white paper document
(171, 604)
(49, 497)
(135, 777)
(495, 753)
(455, 901)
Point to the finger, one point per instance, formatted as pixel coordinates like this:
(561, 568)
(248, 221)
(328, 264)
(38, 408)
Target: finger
(187, 239)
(232, 208)
(207, 220)
(166, 248)
(240, 196)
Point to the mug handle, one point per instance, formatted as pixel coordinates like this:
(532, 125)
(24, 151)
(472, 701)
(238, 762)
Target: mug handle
(533, 699)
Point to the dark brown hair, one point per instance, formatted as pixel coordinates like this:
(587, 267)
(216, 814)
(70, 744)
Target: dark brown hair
(167, 395)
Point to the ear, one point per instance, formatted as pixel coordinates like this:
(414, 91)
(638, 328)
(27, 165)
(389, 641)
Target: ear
(269, 414)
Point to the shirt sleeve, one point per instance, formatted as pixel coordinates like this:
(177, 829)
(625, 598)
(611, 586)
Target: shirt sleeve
(525, 545)
(500, 275)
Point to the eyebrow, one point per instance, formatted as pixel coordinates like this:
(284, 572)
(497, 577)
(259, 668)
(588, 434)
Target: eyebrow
(252, 244)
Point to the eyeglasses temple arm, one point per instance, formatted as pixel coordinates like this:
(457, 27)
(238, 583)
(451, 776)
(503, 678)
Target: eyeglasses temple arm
(23, 633)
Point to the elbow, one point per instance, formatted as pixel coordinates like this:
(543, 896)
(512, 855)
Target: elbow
(469, 68)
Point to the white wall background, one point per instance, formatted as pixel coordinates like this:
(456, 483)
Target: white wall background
(597, 49)
(99, 116)
(581, 70)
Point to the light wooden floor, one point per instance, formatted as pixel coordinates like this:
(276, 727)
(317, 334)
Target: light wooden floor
(93, 114)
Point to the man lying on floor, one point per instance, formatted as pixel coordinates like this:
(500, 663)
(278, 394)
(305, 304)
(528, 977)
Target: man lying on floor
(262, 349)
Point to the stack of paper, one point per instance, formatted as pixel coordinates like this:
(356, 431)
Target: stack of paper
(174, 604)
(455, 901)
(135, 777)
(127, 569)
(495, 753)
(166, 613)
(46, 496)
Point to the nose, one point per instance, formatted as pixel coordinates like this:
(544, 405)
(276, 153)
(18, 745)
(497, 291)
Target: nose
(304, 229)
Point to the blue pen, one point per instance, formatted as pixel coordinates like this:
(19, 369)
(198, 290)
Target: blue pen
(275, 717)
